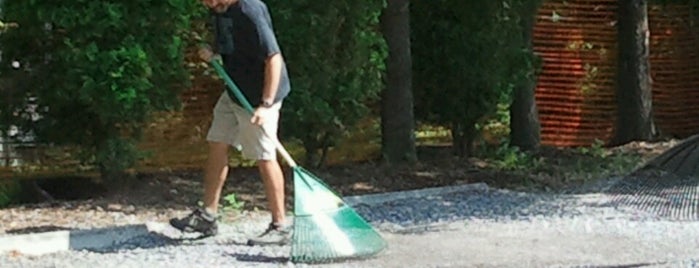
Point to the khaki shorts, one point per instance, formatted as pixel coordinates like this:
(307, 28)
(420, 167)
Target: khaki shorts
(231, 125)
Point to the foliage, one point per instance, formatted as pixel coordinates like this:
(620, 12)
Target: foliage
(495, 127)
(335, 56)
(9, 192)
(588, 167)
(467, 57)
(511, 158)
(93, 71)
(595, 150)
(560, 168)
(232, 204)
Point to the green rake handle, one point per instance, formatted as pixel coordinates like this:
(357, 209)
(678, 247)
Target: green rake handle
(233, 89)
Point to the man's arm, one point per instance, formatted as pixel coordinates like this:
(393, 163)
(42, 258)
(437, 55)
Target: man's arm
(270, 52)
(273, 74)
(274, 62)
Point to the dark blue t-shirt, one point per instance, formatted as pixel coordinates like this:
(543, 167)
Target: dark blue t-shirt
(245, 39)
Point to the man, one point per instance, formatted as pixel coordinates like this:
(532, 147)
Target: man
(246, 42)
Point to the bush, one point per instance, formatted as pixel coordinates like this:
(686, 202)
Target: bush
(335, 55)
(467, 57)
(95, 71)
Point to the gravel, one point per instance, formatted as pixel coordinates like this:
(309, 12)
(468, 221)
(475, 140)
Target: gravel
(470, 210)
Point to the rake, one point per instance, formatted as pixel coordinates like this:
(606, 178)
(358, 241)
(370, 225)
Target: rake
(326, 229)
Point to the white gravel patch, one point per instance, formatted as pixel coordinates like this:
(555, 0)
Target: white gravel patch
(476, 226)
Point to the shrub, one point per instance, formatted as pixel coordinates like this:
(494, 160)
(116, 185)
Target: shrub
(335, 55)
(95, 71)
(468, 55)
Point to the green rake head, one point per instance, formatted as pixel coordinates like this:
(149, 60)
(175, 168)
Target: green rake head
(325, 228)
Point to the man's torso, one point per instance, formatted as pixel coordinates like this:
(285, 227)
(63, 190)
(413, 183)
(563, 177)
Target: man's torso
(239, 41)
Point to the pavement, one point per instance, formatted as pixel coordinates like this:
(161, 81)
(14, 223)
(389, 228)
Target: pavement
(461, 243)
(522, 246)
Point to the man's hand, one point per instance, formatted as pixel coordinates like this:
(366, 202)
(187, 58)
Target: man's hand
(206, 54)
(260, 115)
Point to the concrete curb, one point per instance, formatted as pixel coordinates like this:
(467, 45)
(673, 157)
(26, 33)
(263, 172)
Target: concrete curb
(57, 241)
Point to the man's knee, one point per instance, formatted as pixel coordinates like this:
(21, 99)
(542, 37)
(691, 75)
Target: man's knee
(218, 148)
(265, 162)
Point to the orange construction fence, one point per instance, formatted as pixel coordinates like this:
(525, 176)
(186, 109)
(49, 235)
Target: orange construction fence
(577, 41)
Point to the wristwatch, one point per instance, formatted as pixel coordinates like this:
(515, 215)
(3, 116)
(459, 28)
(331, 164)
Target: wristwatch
(266, 104)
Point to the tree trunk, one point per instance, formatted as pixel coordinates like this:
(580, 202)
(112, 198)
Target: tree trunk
(314, 155)
(397, 116)
(525, 128)
(463, 136)
(458, 137)
(633, 94)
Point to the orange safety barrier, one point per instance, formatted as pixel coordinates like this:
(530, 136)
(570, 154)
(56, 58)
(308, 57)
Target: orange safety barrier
(577, 42)
(575, 89)
(675, 71)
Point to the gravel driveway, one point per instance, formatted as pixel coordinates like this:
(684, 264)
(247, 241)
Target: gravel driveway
(468, 226)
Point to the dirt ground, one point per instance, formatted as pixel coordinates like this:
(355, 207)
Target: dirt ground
(159, 197)
(560, 169)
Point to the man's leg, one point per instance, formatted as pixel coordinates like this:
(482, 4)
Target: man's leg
(215, 175)
(278, 232)
(221, 135)
(263, 148)
(273, 179)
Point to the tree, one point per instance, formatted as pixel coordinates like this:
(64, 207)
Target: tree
(397, 116)
(525, 128)
(633, 93)
(467, 59)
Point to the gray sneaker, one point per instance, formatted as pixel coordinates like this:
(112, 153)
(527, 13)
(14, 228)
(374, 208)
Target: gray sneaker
(197, 221)
(274, 235)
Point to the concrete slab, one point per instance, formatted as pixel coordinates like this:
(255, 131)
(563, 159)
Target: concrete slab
(57, 241)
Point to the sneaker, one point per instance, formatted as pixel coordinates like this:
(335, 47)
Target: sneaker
(274, 235)
(198, 221)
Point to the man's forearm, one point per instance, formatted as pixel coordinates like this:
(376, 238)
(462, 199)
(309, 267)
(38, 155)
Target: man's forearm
(273, 74)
